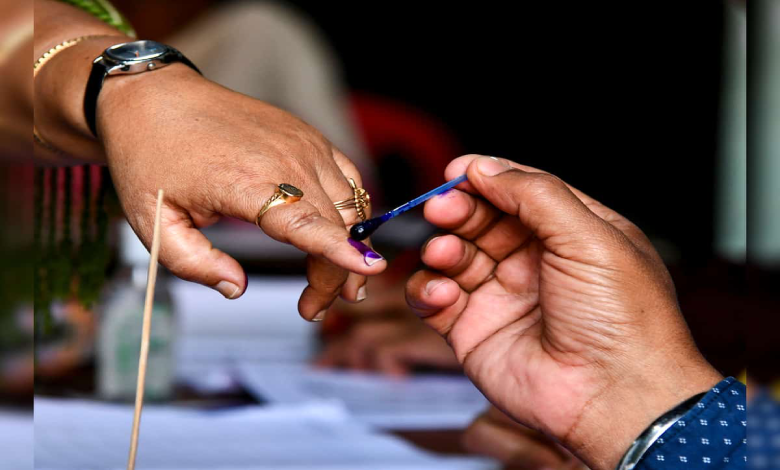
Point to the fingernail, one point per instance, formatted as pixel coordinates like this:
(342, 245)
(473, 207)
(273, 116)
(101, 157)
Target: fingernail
(430, 242)
(361, 295)
(320, 316)
(491, 166)
(433, 285)
(371, 257)
(228, 289)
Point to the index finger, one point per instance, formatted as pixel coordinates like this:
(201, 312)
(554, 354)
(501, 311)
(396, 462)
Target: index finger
(314, 226)
(301, 225)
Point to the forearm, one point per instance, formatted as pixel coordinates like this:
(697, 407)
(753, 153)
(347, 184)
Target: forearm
(58, 96)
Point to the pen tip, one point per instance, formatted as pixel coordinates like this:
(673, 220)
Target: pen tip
(364, 229)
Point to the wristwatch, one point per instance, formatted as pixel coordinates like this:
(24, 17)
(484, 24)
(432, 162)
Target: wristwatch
(127, 58)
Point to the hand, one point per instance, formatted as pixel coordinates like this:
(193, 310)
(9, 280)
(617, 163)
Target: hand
(216, 152)
(496, 435)
(389, 346)
(384, 336)
(559, 309)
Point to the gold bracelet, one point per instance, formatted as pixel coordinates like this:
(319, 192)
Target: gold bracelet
(47, 56)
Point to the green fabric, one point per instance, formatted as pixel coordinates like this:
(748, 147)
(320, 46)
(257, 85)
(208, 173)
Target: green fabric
(106, 12)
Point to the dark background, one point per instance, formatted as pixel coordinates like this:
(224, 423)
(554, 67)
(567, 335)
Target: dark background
(620, 101)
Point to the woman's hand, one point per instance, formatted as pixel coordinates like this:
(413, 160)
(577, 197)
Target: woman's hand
(559, 309)
(216, 152)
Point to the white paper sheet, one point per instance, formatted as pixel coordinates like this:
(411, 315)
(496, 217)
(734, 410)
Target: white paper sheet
(214, 333)
(81, 435)
(268, 307)
(417, 402)
(16, 441)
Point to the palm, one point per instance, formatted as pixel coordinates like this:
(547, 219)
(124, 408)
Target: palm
(539, 366)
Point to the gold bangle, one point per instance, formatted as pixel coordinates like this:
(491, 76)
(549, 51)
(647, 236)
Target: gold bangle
(47, 56)
(42, 60)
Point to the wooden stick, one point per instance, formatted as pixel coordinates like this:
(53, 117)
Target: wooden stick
(145, 333)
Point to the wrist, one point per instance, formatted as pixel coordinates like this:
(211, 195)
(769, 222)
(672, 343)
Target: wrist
(617, 416)
(60, 87)
(127, 100)
(59, 98)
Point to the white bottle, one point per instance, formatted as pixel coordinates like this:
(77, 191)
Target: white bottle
(121, 319)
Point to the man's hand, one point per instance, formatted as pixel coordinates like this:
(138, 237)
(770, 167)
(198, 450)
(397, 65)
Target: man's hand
(560, 310)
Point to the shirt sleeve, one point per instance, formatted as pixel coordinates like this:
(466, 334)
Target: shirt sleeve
(712, 435)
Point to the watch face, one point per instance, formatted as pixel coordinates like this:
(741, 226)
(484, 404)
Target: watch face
(138, 50)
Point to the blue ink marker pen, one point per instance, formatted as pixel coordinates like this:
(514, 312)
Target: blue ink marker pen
(364, 230)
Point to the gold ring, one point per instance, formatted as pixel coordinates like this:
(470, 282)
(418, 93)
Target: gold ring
(360, 200)
(285, 193)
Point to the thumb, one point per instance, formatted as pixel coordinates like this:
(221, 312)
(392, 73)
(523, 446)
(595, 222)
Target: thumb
(188, 254)
(541, 201)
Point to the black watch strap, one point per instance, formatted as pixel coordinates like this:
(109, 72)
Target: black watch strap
(94, 84)
(98, 75)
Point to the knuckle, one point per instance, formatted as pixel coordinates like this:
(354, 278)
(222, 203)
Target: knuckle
(184, 267)
(331, 248)
(302, 222)
(543, 183)
(327, 285)
(310, 142)
(298, 167)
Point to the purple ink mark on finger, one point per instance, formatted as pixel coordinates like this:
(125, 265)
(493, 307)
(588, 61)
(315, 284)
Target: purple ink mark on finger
(361, 247)
(370, 256)
(445, 194)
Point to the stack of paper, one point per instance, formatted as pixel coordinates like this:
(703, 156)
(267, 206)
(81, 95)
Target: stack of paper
(80, 435)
